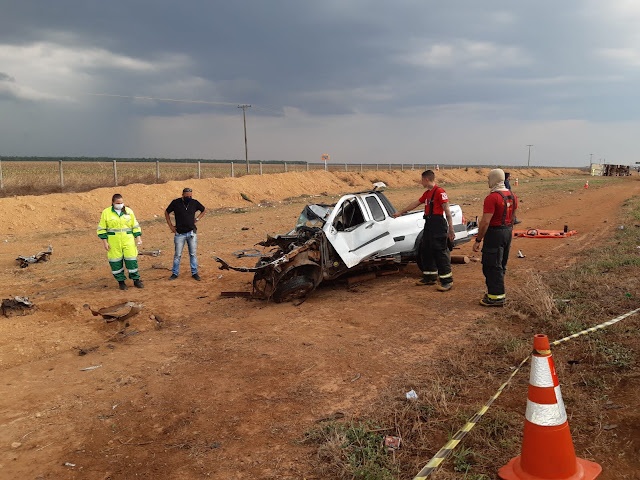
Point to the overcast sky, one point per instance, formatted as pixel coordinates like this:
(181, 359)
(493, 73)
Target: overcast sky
(402, 81)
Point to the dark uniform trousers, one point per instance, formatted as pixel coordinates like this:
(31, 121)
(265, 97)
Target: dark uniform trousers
(436, 259)
(495, 254)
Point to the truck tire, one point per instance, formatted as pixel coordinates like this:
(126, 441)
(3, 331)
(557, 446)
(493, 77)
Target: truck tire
(292, 288)
(418, 251)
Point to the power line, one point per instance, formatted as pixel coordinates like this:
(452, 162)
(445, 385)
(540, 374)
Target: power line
(266, 108)
(159, 99)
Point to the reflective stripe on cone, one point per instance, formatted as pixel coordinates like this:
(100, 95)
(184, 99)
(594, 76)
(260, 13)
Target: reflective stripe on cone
(547, 447)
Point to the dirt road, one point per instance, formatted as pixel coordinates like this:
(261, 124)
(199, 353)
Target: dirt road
(223, 387)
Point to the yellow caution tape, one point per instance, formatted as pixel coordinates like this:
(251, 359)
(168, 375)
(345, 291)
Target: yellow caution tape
(445, 451)
(597, 327)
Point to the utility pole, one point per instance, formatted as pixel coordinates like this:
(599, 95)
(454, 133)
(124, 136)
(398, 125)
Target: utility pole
(590, 158)
(529, 157)
(244, 121)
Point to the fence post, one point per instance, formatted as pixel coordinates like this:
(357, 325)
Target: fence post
(157, 170)
(360, 167)
(402, 167)
(260, 168)
(345, 168)
(1, 180)
(376, 167)
(199, 173)
(115, 173)
(232, 173)
(1, 170)
(285, 167)
(389, 166)
(61, 173)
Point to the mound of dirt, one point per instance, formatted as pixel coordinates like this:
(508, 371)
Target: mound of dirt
(66, 211)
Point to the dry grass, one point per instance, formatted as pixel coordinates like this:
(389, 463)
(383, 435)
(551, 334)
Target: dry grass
(598, 374)
(43, 177)
(536, 300)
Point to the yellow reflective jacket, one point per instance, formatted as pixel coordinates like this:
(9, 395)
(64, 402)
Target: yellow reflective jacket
(114, 223)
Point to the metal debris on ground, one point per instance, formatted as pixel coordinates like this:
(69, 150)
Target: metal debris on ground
(92, 367)
(391, 443)
(121, 312)
(520, 254)
(150, 253)
(158, 266)
(38, 257)
(248, 252)
(235, 294)
(17, 306)
(84, 351)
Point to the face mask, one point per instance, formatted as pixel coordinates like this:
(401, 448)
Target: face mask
(118, 206)
(186, 200)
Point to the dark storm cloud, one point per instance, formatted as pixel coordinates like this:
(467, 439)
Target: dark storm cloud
(6, 78)
(542, 61)
(276, 52)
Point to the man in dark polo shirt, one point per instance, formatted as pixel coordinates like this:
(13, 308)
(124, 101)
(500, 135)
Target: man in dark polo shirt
(184, 210)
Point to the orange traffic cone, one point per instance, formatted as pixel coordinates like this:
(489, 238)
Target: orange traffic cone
(547, 448)
(586, 185)
(516, 181)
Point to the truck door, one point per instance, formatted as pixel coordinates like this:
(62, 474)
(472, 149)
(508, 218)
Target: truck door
(352, 232)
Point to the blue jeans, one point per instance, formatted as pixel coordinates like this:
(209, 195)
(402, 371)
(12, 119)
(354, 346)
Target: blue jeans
(192, 243)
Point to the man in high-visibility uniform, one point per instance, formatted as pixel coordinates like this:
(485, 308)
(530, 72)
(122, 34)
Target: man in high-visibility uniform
(120, 231)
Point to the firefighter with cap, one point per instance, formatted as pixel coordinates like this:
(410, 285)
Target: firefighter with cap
(120, 232)
(496, 229)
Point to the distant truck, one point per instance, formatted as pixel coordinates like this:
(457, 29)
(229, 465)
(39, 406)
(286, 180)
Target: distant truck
(356, 234)
(610, 170)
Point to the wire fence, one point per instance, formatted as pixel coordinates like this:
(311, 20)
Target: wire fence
(38, 176)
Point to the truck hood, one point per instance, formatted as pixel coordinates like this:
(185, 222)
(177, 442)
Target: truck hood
(314, 215)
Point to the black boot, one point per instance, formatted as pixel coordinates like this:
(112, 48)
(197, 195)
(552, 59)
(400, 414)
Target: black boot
(138, 284)
(122, 285)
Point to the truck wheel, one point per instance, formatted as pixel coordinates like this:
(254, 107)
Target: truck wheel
(292, 288)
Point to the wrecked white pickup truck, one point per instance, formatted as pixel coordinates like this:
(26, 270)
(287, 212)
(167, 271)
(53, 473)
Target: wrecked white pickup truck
(356, 234)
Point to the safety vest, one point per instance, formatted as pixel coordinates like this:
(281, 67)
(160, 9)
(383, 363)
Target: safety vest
(114, 223)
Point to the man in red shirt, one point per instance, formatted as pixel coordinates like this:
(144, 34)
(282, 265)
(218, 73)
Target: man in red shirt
(496, 229)
(434, 258)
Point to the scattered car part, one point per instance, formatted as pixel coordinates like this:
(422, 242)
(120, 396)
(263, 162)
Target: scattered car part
(38, 257)
(150, 253)
(16, 306)
(247, 252)
(120, 312)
